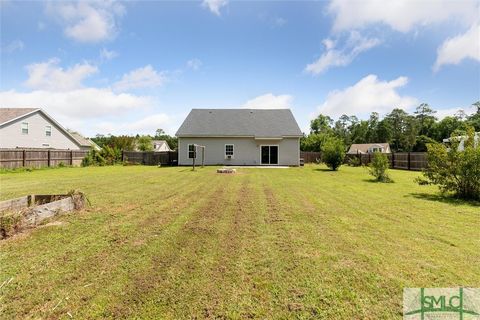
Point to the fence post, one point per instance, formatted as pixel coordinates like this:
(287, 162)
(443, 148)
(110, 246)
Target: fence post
(393, 159)
(123, 157)
(24, 160)
(369, 158)
(71, 157)
(49, 159)
(409, 161)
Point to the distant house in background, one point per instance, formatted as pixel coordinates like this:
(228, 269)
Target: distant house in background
(461, 144)
(33, 128)
(357, 148)
(160, 145)
(240, 137)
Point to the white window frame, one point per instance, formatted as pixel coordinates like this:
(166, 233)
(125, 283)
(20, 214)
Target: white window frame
(24, 126)
(48, 131)
(232, 156)
(194, 151)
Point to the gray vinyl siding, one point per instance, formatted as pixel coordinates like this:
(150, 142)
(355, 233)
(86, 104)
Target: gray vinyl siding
(11, 134)
(246, 151)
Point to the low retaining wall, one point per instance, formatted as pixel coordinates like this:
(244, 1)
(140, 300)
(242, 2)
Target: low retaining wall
(28, 211)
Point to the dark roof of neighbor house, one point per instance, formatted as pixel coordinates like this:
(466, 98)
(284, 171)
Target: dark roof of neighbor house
(268, 123)
(363, 147)
(9, 114)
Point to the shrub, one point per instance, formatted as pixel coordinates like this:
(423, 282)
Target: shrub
(333, 153)
(144, 143)
(379, 166)
(93, 158)
(455, 170)
(354, 161)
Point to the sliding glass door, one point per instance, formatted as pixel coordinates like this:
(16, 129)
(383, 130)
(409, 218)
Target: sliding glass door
(269, 155)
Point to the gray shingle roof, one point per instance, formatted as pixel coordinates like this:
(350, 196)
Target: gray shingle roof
(7, 114)
(239, 122)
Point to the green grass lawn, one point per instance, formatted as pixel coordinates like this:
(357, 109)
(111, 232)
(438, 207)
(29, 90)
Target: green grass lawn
(169, 243)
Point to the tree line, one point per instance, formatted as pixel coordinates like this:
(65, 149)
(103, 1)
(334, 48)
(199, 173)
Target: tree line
(403, 131)
(137, 142)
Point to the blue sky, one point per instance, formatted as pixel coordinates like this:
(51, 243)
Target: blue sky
(131, 67)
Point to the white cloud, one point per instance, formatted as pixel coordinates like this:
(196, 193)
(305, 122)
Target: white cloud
(146, 125)
(49, 76)
(88, 21)
(456, 49)
(76, 104)
(15, 45)
(106, 54)
(400, 15)
(368, 95)
(270, 101)
(214, 5)
(450, 112)
(333, 57)
(141, 78)
(194, 64)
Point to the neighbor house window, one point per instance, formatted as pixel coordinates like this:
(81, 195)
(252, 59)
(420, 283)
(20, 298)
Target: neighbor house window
(191, 151)
(48, 131)
(229, 150)
(24, 127)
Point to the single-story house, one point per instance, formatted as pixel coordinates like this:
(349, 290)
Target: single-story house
(240, 137)
(160, 145)
(32, 128)
(357, 148)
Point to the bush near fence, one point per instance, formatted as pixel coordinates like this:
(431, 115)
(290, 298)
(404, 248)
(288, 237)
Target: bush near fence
(34, 158)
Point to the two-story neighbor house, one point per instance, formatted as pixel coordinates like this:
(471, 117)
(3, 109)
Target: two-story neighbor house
(33, 128)
(240, 137)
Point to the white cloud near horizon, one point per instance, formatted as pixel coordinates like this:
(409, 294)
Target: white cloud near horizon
(340, 57)
(214, 5)
(463, 46)
(270, 101)
(400, 15)
(145, 77)
(87, 21)
(50, 76)
(370, 94)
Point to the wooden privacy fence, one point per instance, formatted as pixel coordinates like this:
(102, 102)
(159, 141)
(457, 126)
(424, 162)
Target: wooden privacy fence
(310, 156)
(34, 158)
(151, 158)
(398, 160)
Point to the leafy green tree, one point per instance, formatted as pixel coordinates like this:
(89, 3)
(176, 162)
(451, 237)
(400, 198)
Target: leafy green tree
(321, 124)
(379, 166)
(313, 142)
(474, 119)
(453, 169)
(333, 153)
(144, 143)
(425, 116)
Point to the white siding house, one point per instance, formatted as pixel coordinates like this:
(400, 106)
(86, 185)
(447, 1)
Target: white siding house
(240, 137)
(33, 128)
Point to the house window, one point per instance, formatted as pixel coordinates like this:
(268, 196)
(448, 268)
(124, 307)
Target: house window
(48, 131)
(24, 127)
(191, 151)
(229, 151)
